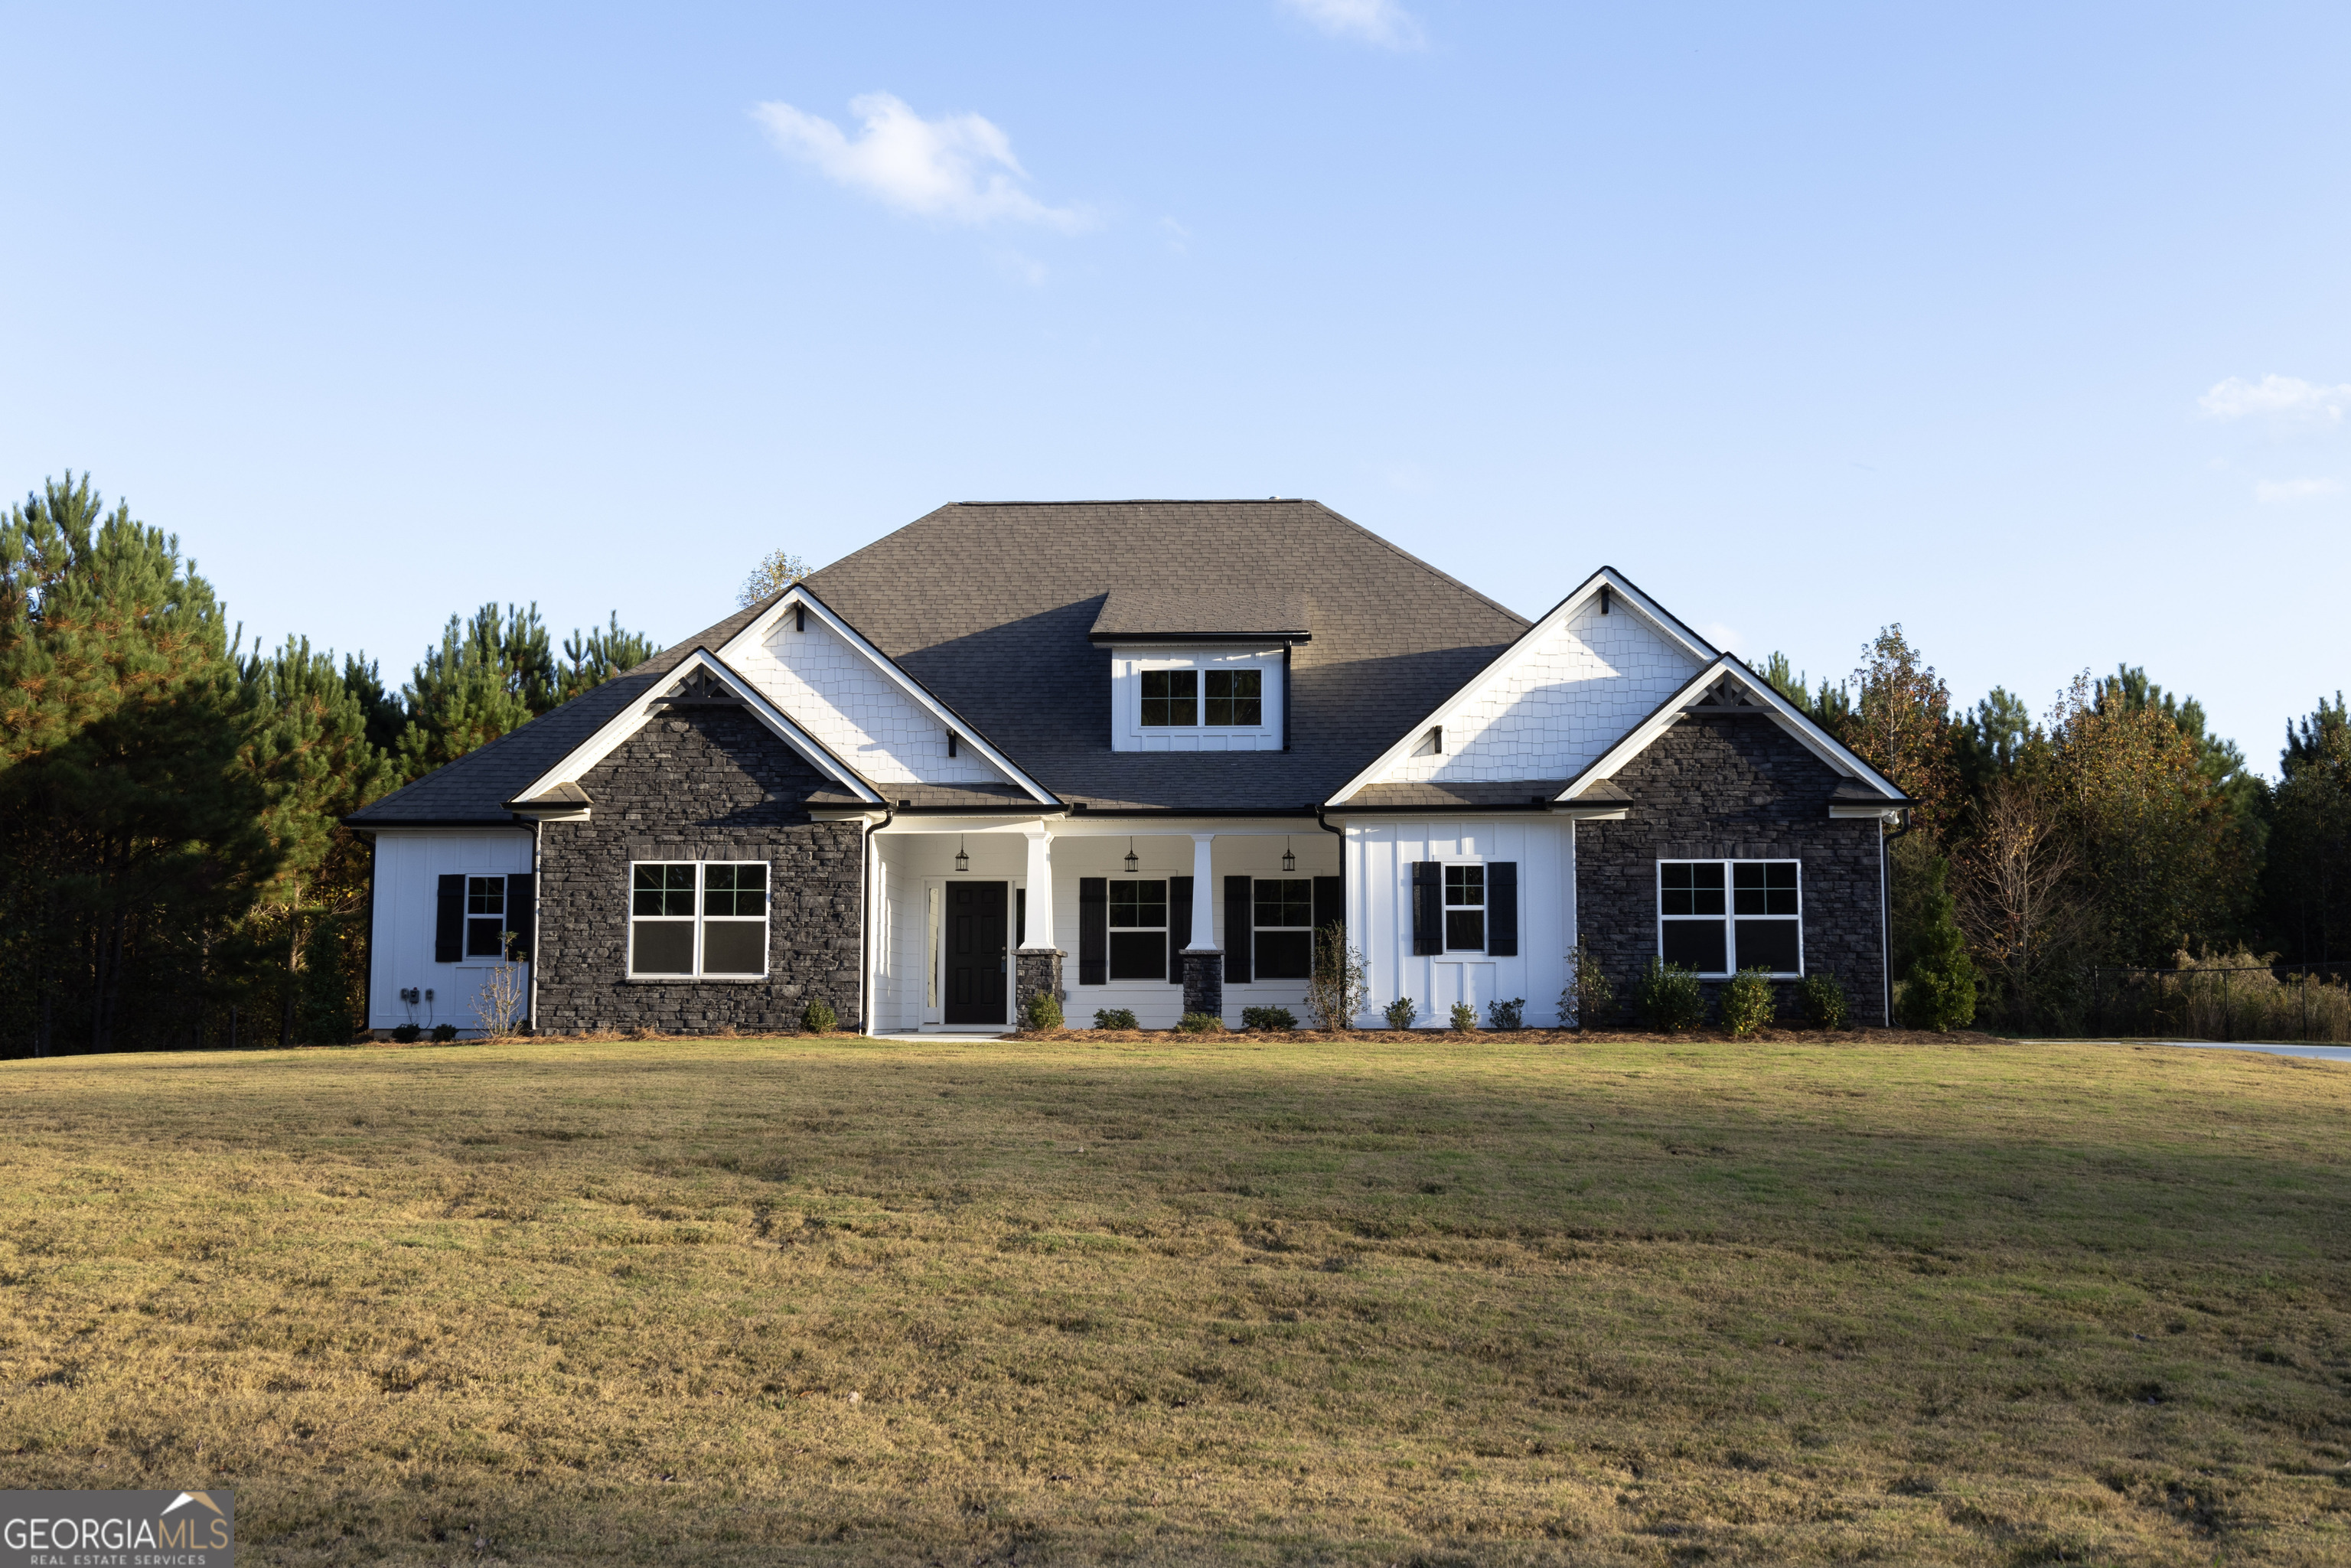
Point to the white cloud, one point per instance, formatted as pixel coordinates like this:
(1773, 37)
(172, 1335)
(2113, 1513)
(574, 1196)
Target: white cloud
(1381, 22)
(2276, 491)
(958, 167)
(2282, 397)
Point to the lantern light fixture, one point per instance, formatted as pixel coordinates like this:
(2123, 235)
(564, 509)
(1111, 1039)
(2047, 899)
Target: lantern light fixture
(1289, 857)
(1132, 863)
(963, 859)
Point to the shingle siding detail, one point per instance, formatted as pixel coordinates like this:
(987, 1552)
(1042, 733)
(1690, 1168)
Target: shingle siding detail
(841, 698)
(1561, 703)
(705, 785)
(1734, 787)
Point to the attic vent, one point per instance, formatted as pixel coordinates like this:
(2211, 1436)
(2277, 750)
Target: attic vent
(1432, 743)
(701, 689)
(1606, 593)
(799, 617)
(951, 742)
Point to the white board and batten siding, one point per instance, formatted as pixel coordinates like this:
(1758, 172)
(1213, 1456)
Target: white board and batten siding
(1380, 856)
(408, 866)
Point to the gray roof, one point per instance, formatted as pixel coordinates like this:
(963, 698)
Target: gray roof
(991, 606)
(1138, 615)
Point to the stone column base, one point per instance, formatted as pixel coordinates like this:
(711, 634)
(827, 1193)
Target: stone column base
(1204, 982)
(1035, 971)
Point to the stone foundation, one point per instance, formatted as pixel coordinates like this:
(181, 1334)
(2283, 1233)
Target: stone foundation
(1204, 983)
(1036, 971)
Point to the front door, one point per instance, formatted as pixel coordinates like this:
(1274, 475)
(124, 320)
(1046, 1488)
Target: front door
(975, 952)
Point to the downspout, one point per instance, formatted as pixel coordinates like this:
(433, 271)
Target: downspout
(1341, 834)
(537, 904)
(865, 920)
(1886, 912)
(367, 1006)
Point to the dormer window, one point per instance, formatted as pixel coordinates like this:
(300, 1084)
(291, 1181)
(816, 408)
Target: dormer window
(1170, 698)
(1174, 699)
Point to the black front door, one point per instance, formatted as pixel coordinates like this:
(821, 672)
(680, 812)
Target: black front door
(974, 955)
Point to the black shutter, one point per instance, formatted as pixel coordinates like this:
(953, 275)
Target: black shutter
(1093, 930)
(1503, 909)
(1330, 909)
(1020, 918)
(449, 921)
(521, 910)
(1241, 923)
(1427, 907)
(1180, 925)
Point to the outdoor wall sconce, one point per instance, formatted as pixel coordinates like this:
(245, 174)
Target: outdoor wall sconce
(963, 861)
(1289, 861)
(1133, 865)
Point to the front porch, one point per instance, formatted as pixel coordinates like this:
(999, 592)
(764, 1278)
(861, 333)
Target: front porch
(970, 916)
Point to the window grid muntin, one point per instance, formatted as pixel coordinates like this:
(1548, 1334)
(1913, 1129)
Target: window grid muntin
(667, 895)
(1252, 684)
(1465, 907)
(1281, 922)
(1171, 699)
(1708, 894)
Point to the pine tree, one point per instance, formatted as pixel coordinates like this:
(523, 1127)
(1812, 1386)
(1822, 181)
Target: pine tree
(491, 675)
(593, 659)
(2306, 885)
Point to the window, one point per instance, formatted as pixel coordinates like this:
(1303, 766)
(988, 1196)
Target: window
(1171, 698)
(486, 916)
(1720, 916)
(1283, 916)
(1138, 930)
(1236, 699)
(696, 917)
(1465, 908)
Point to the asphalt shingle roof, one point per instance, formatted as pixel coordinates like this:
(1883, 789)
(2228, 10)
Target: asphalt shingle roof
(990, 606)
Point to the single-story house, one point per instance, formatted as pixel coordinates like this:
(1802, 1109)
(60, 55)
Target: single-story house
(1135, 753)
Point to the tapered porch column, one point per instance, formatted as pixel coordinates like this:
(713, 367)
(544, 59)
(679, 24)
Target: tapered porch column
(1036, 967)
(1204, 961)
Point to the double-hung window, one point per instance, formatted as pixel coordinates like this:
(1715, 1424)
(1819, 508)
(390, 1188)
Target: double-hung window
(1138, 930)
(1220, 699)
(1465, 909)
(486, 916)
(1282, 918)
(695, 918)
(1720, 916)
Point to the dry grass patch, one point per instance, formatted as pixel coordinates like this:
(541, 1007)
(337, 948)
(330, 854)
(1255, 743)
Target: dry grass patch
(1466, 1298)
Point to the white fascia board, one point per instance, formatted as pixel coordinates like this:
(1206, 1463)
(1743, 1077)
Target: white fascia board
(1623, 592)
(630, 719)
(797, 594)
(1790, 717)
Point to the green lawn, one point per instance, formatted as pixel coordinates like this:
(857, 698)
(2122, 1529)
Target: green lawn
(820, 1301)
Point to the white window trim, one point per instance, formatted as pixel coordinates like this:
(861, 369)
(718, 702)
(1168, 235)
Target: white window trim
(1446, 908)
(767, 927)
(1111, 932)
(505, 920)
(1255, 968)
(1127, 685)
(1730, 915)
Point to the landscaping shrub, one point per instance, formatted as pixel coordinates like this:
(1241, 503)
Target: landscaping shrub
(1671, 1000)
(408, 1034)
(1339, 989)
(1822, 996)
(443, 1033)
(1402, 1013)
(1116, 1018)
(1465, 1019)
(1747, 1002)
(1043, 1011)
(1200, 1023)
(818, 1017)
(1511, 1014)
(1269, 1019)
(1589, 998)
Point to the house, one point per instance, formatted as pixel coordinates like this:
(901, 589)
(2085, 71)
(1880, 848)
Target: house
(1135, 752)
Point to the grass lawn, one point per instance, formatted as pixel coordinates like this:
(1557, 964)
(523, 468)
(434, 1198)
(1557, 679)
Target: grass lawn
(1445, 1301)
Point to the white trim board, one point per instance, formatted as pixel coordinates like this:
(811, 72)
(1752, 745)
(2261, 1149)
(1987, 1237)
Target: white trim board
(576, 765)
(799, 596)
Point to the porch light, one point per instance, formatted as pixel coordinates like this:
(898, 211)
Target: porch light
(1289, 859)
(963, 861)
(1133, 865)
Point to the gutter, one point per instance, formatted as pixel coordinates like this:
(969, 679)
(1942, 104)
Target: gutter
(1341, 834)
(1885, 911)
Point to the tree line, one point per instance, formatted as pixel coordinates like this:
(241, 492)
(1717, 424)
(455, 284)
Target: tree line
(172, 870)
(2113, 832)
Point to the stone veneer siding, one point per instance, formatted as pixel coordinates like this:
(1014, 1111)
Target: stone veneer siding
(1734, 787)
(703, 783)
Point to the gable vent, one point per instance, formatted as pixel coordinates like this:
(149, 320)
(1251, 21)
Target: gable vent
(1431, 744)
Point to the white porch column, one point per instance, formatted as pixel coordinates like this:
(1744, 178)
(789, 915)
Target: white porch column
(1204, 897)
(1040, 887)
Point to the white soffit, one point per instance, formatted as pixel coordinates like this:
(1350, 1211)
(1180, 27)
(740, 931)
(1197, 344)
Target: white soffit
(799, 596)
(1622, 595)
(629, 720)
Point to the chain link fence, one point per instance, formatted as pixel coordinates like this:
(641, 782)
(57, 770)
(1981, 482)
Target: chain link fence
(2224, 1002)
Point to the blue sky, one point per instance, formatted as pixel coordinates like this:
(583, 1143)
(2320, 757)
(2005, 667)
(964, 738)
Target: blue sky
(2027, 327)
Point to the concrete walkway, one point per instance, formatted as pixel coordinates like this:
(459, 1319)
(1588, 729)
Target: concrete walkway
(2323, 1052)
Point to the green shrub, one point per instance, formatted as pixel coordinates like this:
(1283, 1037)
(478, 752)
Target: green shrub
(1939, 992)
(1747, 1002)
(1939, 989)
(1402, 1013)
(1671, 1000)
(1043, 1011)
(1822, 996)
(1270, 1018)
(1116, 1018)
(1589, 998)
(818, 1017)
(1200, 1023)
(1511, 1014)
(408, 1034)
(1465, 1018)
(443, 1033)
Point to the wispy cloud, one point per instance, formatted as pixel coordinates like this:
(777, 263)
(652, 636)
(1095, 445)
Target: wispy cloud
(1381, 22)
(2278, 491)
(958, 167)
(2276, 397)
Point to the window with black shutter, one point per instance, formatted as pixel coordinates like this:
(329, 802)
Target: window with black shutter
(1427, 907)
(1239, 917)
(1503, 909)
(1094, 931)
(1282, 918)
